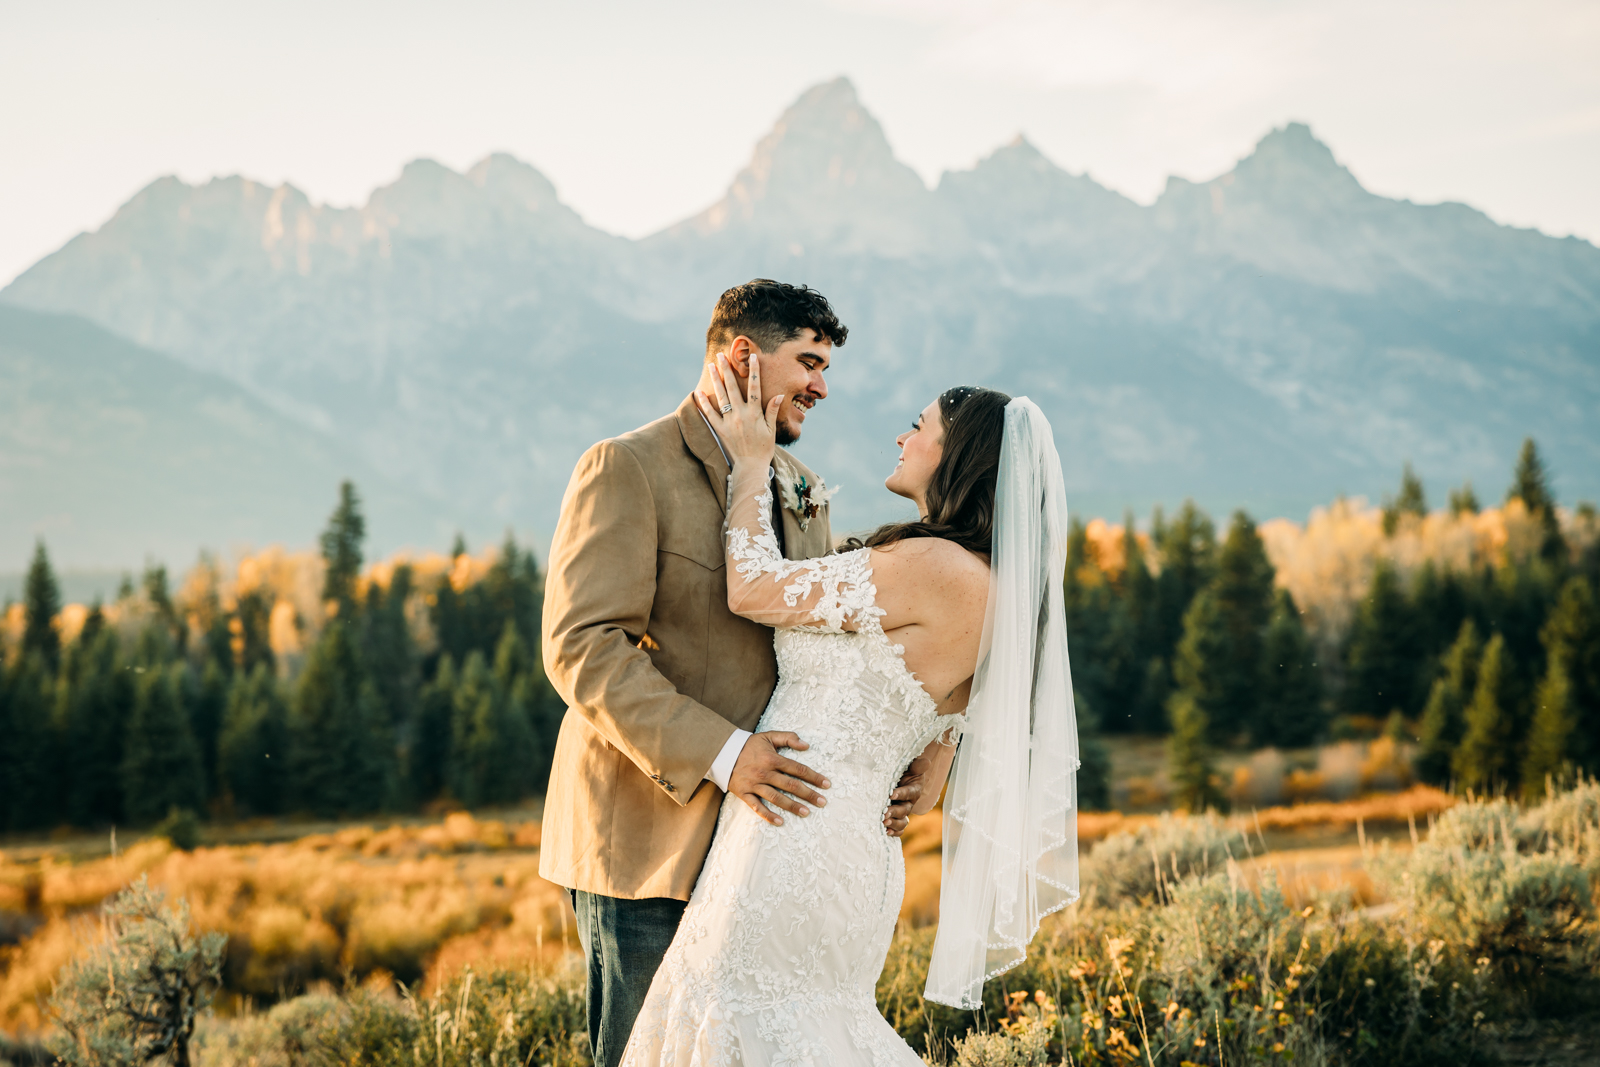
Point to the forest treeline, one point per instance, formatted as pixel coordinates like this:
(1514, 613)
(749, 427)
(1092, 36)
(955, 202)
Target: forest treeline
(162, 703)
(346, 689)
(1491, 669)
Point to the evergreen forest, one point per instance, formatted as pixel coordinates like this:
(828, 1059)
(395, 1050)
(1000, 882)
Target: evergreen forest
(175, 703)
(346, 688)
(1484, 660)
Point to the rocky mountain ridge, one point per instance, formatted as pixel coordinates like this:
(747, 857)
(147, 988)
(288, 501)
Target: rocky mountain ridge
(1268, 339)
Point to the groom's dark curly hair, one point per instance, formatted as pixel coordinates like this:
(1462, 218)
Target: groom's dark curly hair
(960, 494)
(770, 313)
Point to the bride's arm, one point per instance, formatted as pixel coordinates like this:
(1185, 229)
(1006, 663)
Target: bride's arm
(835, 592)
(831, 591)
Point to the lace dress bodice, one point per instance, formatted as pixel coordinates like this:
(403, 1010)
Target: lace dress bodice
(781, 945)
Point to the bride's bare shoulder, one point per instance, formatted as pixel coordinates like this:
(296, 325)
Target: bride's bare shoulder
(933, 556)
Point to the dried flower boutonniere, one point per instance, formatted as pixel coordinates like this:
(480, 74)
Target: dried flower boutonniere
(805, 498)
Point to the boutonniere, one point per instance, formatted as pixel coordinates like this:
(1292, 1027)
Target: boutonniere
(805, 498)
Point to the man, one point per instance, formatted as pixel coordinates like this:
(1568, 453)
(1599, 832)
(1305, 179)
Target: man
(663, 683)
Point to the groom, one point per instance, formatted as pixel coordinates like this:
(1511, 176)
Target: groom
(663, 683)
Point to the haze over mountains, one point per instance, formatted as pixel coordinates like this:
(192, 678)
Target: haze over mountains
(1268, 339)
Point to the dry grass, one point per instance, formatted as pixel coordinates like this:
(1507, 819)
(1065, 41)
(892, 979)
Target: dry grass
(1315, 848)
(360, 900)
(424, 901)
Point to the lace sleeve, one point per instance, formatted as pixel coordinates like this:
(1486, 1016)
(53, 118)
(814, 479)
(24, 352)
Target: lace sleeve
(828, 593)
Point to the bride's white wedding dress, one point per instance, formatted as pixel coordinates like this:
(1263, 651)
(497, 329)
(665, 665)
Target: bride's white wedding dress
(788, 927)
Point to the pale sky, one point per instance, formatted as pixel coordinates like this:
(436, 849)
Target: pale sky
(641, 112)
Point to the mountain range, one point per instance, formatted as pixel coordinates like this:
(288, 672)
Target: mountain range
(1268, 339)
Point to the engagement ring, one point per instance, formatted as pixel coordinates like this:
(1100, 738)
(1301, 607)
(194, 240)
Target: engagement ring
(727, 408)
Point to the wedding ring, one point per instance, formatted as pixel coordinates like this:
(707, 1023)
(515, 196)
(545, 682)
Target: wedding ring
(727, 408)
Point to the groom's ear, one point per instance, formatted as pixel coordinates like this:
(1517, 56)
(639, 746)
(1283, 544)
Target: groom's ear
(739, 355)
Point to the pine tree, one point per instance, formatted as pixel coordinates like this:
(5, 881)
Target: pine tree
(27, 793)
(1198, 667)
(341, 748)
(93, 623)
(1384, 671)
(253, 746)
(428, 752)
(1444, 719)
(1463, 501)
(516, 679)
(1144, 695)
(474, 770)
(1243, 590)
(387, 647)
(1531, 485)
(492, 754)
(1550, 739)
(41, 602)
(1290, 711)
(1571, 639)
(1439, 604)
(207, 702)
(341, 550)
(94, 700)
(1412, 501)
(1094, 758)
(1187, 547)
(1189, 758)
(159, 595)
(1089, 611)
(1483, 761)
(161, 766)
(252, 643)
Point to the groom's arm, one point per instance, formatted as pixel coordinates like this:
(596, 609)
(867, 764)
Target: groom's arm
(599, 591)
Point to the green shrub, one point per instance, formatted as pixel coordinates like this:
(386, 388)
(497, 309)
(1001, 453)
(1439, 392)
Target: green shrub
(1143, 865)
(504, 1017)
(181, 827)
(134, 998)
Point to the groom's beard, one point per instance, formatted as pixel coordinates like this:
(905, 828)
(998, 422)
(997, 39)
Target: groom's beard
(786, 436)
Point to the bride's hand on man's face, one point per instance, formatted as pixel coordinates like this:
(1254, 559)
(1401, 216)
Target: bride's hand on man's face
(747, 428)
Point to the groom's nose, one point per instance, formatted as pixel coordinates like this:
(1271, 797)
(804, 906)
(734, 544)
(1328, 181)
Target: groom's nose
(817, 386)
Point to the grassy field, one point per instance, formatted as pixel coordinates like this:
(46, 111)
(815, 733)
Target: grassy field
(1435, 928)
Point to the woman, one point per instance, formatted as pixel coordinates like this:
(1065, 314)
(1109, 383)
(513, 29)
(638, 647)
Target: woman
(880, 650)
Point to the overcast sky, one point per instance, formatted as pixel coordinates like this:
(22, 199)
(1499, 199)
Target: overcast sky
(642, 112)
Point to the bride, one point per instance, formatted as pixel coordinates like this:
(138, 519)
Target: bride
(944, 629)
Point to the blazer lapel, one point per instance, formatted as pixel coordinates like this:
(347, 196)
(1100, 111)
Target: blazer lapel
(797, 543)
(699, 439)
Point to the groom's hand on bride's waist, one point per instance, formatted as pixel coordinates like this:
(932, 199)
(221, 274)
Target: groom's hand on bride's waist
(905, 797)
(763, 776)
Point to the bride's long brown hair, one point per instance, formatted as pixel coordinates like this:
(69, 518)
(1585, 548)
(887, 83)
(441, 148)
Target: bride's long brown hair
(960, 494)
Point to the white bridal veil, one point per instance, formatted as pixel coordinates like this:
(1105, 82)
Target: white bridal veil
(1010, 828)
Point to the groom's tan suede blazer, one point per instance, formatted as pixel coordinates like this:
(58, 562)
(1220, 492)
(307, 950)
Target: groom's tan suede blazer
(655, 670)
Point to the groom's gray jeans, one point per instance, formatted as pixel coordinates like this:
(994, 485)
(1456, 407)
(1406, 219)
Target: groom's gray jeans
(624, 941)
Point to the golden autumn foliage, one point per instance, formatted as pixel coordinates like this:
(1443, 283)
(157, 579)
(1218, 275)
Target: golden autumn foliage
(1327, 562)
(359, 900)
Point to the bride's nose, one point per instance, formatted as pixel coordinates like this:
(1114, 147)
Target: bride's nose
(900, 442)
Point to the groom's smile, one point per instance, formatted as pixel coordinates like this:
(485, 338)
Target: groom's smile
(795, 370)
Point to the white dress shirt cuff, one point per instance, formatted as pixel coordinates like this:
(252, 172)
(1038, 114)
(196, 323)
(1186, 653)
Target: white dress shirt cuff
(722, 767)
